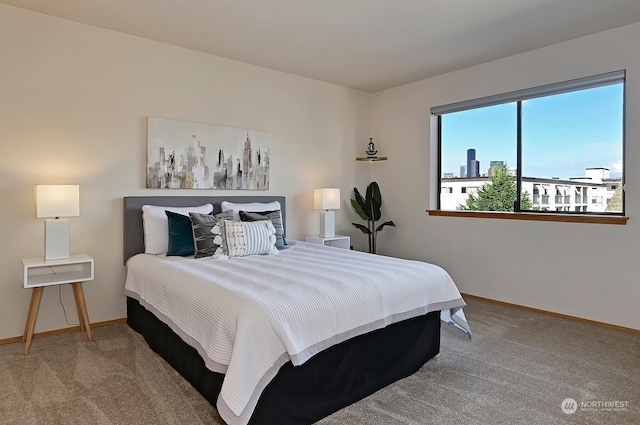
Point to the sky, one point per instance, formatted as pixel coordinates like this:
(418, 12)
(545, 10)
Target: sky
(562, 135)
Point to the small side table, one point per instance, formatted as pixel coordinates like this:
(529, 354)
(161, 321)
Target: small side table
(38, 273)
(338, 241)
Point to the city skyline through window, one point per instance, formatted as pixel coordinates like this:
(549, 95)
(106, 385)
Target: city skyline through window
(573, 137)
(562, 135)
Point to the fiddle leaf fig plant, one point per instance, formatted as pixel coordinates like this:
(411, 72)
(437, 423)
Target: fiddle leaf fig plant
(368, 208)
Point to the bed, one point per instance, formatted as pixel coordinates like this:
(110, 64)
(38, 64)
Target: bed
(300, 374)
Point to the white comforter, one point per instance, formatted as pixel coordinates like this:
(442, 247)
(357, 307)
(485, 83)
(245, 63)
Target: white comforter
(248, 316)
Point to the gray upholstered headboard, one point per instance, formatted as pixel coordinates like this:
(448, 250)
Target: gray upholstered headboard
(133, 231)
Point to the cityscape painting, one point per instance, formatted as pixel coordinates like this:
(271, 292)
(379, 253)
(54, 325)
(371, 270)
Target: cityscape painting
(187, 155)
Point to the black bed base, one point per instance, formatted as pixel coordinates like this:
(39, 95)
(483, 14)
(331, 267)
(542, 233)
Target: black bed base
(329, 381)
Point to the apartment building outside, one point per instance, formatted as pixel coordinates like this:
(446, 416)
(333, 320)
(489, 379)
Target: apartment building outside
(591, 193)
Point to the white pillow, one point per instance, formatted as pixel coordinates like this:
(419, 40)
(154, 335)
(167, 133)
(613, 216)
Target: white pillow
(244, 238)
(249, 206)
(156, 226)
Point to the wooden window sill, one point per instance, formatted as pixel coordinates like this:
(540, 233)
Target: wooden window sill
(565, 218)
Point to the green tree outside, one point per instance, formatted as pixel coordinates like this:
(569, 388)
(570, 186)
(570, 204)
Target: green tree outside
(499, 195)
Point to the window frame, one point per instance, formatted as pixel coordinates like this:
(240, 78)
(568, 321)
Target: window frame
(585, 83)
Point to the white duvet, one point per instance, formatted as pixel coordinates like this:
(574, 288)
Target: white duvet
(248, 316)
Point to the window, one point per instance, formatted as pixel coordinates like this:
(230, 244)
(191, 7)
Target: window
(548, 148)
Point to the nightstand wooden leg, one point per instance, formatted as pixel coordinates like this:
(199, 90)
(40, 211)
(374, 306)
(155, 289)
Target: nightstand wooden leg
(26, 325)
(82, 308)
(79, 312)
(36, 296)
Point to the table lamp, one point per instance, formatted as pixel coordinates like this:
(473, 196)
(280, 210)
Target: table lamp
(53, 202)
(325, 200)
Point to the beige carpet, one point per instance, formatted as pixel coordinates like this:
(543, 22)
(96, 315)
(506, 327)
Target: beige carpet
(518, 369)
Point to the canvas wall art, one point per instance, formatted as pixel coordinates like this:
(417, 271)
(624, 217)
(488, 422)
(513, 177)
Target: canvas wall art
(187, 155)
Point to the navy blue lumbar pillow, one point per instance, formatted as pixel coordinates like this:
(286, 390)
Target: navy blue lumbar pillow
(180, 235)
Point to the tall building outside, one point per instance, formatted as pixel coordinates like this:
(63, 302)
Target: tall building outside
(473, 166)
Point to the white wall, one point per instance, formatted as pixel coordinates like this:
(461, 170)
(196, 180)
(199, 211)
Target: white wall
(550, 266)
(73, 102)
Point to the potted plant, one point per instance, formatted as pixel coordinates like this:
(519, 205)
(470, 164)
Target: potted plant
(368, 208)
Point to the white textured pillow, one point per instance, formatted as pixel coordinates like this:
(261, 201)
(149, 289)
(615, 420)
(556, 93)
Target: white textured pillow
(249, 207)
(244, 238)
(156, 225)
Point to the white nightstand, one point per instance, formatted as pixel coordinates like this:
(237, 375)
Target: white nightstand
(338, 241)
(38, 273)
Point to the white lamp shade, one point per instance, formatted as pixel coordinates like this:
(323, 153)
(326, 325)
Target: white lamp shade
(326, 199)
(55, 200)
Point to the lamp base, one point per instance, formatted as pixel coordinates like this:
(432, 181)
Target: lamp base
(56, 239)
(327, 224)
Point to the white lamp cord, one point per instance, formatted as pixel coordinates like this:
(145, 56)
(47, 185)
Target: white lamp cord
(63, 309)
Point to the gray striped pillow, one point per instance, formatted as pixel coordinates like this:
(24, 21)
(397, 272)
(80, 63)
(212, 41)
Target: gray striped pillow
(207, 233)
(274, 216)
(244, 238)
